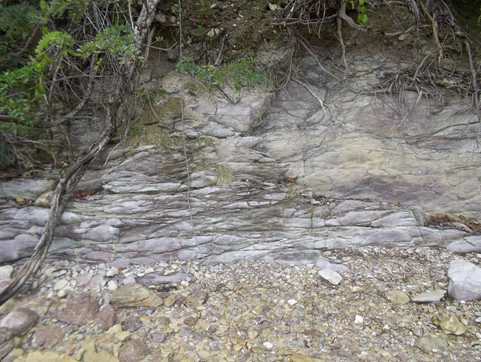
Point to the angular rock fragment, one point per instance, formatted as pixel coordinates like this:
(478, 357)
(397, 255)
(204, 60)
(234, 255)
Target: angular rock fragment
(433, 344)
(47, 337)
(19, 321)
(158, 279)
(331, 276)
(450, 324)
(78, 309)
(429, 296)
(132, 350)
(464, 280)
(397, 297)
(135, 295)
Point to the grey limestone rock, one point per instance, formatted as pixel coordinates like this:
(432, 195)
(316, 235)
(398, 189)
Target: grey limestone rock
(464, 280)
(19, 321)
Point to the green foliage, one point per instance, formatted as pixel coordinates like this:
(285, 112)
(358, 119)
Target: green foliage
(117, 40)
(59, 8)
(239, 75)
(19, 94)
(53, 45)
(361, 6)
(17, 23)
(23, 83)
(362, 16)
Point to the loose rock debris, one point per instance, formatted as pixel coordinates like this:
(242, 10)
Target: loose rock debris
(389, 305)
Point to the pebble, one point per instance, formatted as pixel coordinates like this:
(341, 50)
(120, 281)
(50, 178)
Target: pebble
(430, 296)
(397, 297)
(19, 321)
(60, 284)
(6, 272)
(358, 319)
(112, 285)
(268, 345)
(331, 276)
(111, 272)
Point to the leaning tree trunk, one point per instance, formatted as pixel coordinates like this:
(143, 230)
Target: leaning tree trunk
(75, 172)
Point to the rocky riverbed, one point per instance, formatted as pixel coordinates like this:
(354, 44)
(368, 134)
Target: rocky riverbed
(362, 305)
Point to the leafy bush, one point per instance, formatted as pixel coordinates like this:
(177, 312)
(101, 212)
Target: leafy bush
(238, 75)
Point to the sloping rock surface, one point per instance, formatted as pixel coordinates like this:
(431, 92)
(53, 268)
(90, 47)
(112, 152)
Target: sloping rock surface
(321, 164)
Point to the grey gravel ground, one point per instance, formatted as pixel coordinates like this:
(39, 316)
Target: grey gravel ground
(251, 311)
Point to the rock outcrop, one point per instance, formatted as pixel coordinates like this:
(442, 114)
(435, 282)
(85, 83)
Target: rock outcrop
(321, 164)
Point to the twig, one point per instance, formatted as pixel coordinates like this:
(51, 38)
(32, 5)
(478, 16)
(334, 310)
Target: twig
(342, 14)
(434, 25)
(304, 44)
(321, 102)
(86, 96)
(189, 179)
(342, 9)
(181, 39)
(474, 80)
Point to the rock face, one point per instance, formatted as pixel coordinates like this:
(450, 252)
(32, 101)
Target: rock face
(274, 177)
(464, 280)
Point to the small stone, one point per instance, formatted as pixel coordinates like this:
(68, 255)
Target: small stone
(129, 280)
(190, 321)
(170, 300)
(358, 319)
(156, 278)
(292, 302)
(135, 295)
(62, 293)
(106, 316)
(78, 309)
(112, 285)
(158, 337)
(429, 296)
(213, 32)
(268, 345)
(132, 350)
(92, 355)
(19, 321)
(47, 337)
(44, 199)
(397, 297)
(20, 200)
(252, 333)
(433, 344)
(132, 324)
(111, 272)
(450, 324)
(6, 272)
(60, 284)
(331, 276)
(196, 298)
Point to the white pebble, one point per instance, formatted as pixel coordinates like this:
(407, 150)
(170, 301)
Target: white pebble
(268, 345)
(112, 285)
(292, 301)
(358, 320)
